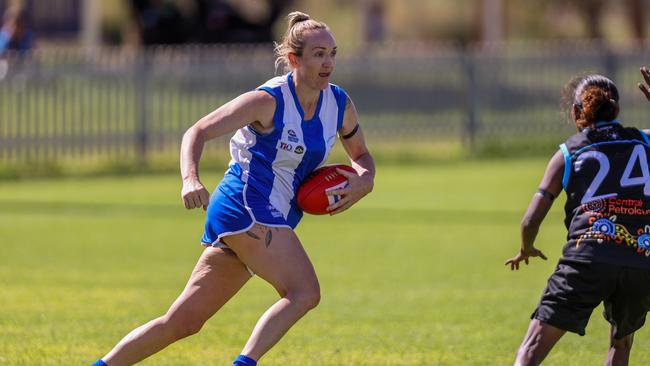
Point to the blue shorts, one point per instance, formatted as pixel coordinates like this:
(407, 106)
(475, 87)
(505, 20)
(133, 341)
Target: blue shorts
(235, 207)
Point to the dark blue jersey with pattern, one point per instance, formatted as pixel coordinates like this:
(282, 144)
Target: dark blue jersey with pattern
(607, 182)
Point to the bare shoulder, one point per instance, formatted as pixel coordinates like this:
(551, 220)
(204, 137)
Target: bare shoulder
(258, 99)
(557, 161)
(260, 108)
(255, 105)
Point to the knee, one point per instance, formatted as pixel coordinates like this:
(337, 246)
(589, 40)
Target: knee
(624, 343)
(305, 299)
(182, 326)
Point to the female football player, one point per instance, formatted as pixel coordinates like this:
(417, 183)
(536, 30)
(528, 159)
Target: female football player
(285, 129)
(604, 171)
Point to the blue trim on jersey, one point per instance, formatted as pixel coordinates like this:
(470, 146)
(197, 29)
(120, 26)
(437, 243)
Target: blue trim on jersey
(567, 166)
(341, 99)
(292, 88)
(314, 154)
(579, 151)
(268, 90)
(278, 122)
(265, 149)
(645, 137)
(607, 123)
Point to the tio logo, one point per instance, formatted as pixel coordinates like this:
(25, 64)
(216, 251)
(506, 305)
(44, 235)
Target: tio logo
(285, 146)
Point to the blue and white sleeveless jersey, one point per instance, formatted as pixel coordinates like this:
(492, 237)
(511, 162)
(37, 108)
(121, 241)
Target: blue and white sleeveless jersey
(266, 169)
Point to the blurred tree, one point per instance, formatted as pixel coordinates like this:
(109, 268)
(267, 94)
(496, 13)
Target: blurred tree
(636, 15)
(159, 22)
(206, 21)
(592, 14)
(219, 21)
(374, 14)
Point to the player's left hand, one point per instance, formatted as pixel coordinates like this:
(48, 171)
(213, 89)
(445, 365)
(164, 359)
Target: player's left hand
(524, 255)
(645, 88)
(358, 186)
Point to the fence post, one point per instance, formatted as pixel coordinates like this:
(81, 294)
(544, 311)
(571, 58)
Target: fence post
(470, 126)
(143, 65)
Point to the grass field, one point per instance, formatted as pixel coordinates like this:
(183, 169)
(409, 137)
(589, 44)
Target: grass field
(413, 275)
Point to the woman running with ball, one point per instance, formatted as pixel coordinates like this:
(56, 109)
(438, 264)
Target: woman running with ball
(284, 130)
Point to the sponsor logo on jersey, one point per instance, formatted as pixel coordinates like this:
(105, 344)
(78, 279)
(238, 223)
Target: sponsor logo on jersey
(285, 146)
(299, 149)
(292, 136)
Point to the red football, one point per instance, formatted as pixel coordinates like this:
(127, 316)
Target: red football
(312, 197)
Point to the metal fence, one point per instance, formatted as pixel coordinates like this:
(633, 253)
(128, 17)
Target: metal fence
(116, 105)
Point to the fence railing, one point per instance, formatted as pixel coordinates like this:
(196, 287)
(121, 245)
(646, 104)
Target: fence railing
(67, 104)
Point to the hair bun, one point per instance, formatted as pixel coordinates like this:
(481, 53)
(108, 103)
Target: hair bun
(297, 17)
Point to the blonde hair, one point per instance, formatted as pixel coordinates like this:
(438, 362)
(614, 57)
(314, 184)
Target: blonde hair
(293, 40)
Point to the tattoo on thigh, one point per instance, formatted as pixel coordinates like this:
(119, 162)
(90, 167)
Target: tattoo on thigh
(269, 237)
(252, 235)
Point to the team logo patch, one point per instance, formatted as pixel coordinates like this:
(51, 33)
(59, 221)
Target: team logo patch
(299, 149)
(292, 136)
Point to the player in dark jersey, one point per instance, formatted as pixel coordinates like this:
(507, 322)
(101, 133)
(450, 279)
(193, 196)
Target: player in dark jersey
(604, 170)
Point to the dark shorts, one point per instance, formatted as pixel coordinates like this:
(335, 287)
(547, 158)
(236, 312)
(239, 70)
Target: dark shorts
(575, 289)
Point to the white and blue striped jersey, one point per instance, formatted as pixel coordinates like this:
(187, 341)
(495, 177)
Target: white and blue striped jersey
(270, 167)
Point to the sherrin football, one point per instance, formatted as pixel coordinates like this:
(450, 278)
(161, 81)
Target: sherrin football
(312, 197)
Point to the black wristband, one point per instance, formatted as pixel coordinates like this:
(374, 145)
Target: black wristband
(352, 133)
(546, 194)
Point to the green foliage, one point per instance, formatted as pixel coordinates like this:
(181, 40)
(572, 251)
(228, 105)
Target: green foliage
(412, 275)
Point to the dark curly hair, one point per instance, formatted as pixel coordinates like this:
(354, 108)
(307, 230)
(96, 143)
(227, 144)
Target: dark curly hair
(596, 97)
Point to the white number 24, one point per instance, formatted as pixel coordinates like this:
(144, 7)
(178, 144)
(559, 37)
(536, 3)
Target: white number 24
(638, 154)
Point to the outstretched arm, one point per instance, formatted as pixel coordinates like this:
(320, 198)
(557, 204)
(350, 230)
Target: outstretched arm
(549, 188)
(256, 107)
(359, 184)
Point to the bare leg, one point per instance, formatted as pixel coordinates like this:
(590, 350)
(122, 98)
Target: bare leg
(619, 350)
(539, 340)
(277, 256)
(218, 275)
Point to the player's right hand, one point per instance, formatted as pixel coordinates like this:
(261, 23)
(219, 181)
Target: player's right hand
(523, 256)
(194, 194)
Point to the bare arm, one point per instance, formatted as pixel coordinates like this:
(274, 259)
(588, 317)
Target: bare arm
(256, 108)
(549, 188)
(362, 183)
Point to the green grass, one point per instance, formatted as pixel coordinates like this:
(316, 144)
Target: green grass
(413, 275)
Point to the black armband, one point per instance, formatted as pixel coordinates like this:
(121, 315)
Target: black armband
(352, 133)
(546, 194)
